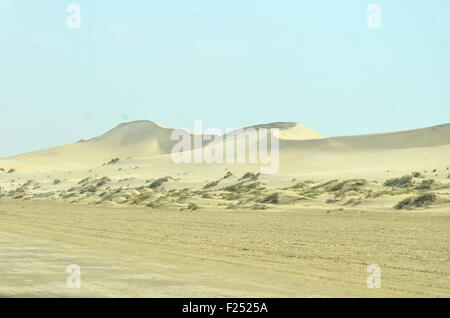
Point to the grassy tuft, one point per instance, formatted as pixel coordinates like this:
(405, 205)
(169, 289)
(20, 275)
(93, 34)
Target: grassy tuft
(249, 176)
(273, 198)
(211, 184)
(157, 183)
(113, 161)
(140, 198)
(416, 202)
(402, 182)
(417, 175)
(425, 185)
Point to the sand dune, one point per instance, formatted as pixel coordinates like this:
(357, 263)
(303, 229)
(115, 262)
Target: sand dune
(134, 139)
(425, 137)
(145, 139)
(290, 131)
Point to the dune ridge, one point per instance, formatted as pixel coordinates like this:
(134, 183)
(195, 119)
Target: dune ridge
(146, 146)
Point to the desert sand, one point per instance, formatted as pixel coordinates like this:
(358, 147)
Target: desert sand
(140, 225)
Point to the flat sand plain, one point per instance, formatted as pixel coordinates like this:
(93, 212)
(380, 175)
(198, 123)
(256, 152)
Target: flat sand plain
(289, 252)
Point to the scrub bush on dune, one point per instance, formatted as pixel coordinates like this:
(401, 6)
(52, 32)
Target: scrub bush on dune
(271, 198)
(416, 202)
(158, 183)
(402, 182)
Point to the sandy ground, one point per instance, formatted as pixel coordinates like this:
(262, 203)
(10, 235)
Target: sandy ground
(289, 252)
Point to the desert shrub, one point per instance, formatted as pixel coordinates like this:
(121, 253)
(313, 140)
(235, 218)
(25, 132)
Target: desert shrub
(211, 184)
(157, 183)
(113, 161)
(1, 169)
(91, 189)
(258, 206)
(68, 195)
(18, 196)
(103, 181)
(193, 206)
(251, 186)
(231, 196)
(402, 182)
(182, 196)
(417, 202)
(242, 187)
(342, 188)
(298, 185)
(337, 187)
(56, 181)
(353, 201)
(358, 182)
(158, 202)
(255, 192)
(369, 194)
(273, 198)
(417, 175)
(154, 204)
(425, 185)
(326, 184)
(140, 198)
(12, 170)
(28, 183)
(84, 181)
(233, 188)
(377, 194)
(310, 192)
(118, 190)
(250, 176)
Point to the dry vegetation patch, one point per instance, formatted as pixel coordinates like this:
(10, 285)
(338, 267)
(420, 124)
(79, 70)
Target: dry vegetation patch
(420, 201)
(402, 182)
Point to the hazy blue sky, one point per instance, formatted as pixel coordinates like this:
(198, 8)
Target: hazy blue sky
(231, 63)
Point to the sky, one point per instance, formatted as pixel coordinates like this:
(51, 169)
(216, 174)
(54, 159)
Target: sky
(230, 63)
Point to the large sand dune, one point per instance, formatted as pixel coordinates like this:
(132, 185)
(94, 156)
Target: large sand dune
(145, 139)
(135, 139)
(417, 138)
